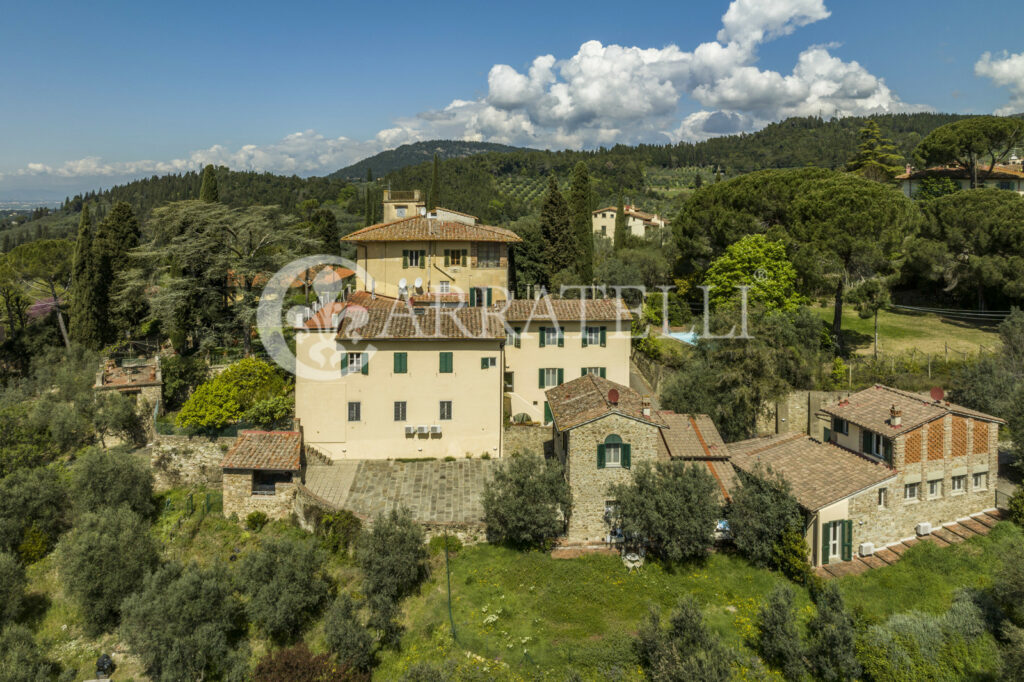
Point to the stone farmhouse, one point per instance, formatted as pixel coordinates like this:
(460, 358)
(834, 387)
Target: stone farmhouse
(893, 465)
(261, 471)
(639, 223)
(1008, 176)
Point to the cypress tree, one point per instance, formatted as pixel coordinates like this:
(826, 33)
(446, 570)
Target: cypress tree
(698, 181)
(208, 189)
(435, 186)
(85, 305)
(368, 208)
(582, 222)
(619, 240)
(559, 238)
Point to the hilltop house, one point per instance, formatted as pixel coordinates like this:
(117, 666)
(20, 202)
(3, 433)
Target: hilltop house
(1009, 176)
(602, 429)
(638, 223)
(893, 465)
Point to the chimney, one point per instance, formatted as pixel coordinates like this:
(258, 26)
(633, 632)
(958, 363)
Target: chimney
(645, 406)
(895, 416)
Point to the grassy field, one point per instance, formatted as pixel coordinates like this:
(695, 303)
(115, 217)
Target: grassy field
(901, 332)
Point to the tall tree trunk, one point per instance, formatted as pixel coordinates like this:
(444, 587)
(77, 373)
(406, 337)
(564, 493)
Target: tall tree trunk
(60, 317)
(837, 318)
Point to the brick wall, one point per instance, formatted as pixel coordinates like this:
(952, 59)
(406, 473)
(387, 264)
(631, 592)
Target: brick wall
(589, 485)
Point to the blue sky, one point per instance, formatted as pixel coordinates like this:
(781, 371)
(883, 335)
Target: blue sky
(97, 93)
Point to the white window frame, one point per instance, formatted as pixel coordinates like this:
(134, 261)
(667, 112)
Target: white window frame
(404, 410)
(358, 409)
(613, 455)
(593, 336)
(595, 371)
(835, 539)
(958, 485)
(444, 286)
(836, 422)
(911, 487)
(883, 498)
(491, 361)
(443, 414)
(877, 445)
(979, 476)
(355, 363)
(550, 336)
(414, 258)
(400, 211)
(934, 488)
(550, 376)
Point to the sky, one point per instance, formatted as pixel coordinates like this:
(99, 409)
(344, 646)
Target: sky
(95, 94)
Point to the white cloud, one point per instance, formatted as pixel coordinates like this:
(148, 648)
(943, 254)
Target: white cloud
(1006, 70)
(601, 95)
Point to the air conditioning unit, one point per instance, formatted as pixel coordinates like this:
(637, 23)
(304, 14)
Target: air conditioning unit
(409, 429)
(436, 428)
(924, 528)
(423, 429)
(866, 548)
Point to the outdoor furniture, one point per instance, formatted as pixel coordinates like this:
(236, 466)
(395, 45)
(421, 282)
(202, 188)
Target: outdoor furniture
(633, 561)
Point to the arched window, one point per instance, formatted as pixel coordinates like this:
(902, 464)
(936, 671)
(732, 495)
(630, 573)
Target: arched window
(613, 453)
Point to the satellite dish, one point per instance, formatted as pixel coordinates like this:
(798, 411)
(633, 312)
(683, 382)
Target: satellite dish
(419, 282)
(402, 283)
(613, 396)
(937, 393)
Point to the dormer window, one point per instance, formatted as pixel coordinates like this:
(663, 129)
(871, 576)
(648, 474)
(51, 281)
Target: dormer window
(840, 425)
(876, 445)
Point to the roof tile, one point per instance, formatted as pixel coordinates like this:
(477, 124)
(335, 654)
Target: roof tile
(265, 450)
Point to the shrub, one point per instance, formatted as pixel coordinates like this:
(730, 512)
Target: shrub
(1008, 585)
(778, 638)
(760, 513)
(687, 650)
(20, 657)
(673, 505)
(111, 478)
(102, 559)
(299, 664)
(424, 672)
(1013, 653)
(346, 637)
(790, 556)
(33, 514)
(185, 624)
(526, 502)
(285, 582)
(394, 562)
(1016, 507)
(274, 412)
(831, 651)
(438, 542)
(255, 521)
(339, 531)
(181, 376)
(12, 587)
(225, 398)
(116, 414)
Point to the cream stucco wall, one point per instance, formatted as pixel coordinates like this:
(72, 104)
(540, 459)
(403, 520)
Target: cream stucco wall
(382, 262)
(529, 357)
(321, 401)
(604, 224)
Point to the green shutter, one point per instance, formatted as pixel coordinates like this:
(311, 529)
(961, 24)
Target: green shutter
(542, 342)
(865, 440)
(472, 297)
(344, 363)
(604, 336)
(601, 370)
(583, 371)
(600, 456)
(465, 258)
(488, 296)
(540, 379)
(627, 455)
(547, 413)
(405, 258)
(824, 542)
(583, 336)
(423, 258)
(447, 257)
(561, 376)
(887, 450)
(519, 333)
(483, 363)
(366, 363)
(401, 363)
(828, 435)
(561, 336)
(446, 362)
(847, 540)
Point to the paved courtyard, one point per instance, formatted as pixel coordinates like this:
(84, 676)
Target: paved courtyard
(434, 491)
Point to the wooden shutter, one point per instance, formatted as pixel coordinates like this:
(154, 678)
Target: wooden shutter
(447, 257)
(561, 336)
(366, 363)
(583, 371)
(866, 438)
(423, 258)
(561, 376)
(547, 413)
(465, 259)
(583, 336)
(887, 450)
(825, 533)
(604, 336)
(446, 362)
(600, 456)
(543, 341)
(519, 333)
(540, 380)
(472, 297)
(405, 258)
(344, 363)
(488, 296)
(627, 455)
(601, 370)
(483, 363)
(847, 540)
(401, 363)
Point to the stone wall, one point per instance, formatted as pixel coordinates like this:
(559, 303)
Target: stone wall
(526, 438)
(589, 484)
(651, 370)
(797, 412)
(239, 500)
(900, 517)
(184, 461)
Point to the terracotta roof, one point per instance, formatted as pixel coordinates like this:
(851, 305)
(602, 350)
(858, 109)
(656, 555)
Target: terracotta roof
(323, 319)
(694, 437)
(585, 399)
(423, 229)
(818, 473)
(564, 310)
(328, 274)
(451, 297)
(401, 321)
(870, 408)
(265, 450)
(1000, 172)
(629, 210)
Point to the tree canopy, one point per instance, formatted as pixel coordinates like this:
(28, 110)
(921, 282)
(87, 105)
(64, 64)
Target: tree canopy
(977, 143)
(760, 264)
(877, 158)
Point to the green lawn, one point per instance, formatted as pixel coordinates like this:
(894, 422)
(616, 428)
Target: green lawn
(903, 331)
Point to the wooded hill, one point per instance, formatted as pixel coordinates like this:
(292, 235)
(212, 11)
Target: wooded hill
(416, 153)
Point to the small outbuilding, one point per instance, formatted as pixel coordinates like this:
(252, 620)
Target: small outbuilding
(260, 473)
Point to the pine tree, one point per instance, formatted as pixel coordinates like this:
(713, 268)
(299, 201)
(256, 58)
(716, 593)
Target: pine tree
(208, 189)
(698, 180)
(877, 158)
(621, 229)
(435, 186)
(582, 221)
(555, 229)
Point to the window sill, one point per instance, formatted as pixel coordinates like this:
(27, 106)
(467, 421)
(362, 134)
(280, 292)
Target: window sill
(913, 501)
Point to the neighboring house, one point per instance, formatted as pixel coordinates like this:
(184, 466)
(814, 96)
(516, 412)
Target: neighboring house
(639, 223)
(397, 381)
(602, 430)
(895, 464)
(441, 252)
(552, 341)
(1004, 176)
(261, 471)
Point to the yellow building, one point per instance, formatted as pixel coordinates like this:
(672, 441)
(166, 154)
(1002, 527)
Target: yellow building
(552, 341)
(638, 223)
(438, 255)
(401, 382)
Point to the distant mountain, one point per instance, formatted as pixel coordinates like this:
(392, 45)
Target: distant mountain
(417, 153)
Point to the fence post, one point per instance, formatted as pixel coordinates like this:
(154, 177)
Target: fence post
(946, 346)
(929, 365)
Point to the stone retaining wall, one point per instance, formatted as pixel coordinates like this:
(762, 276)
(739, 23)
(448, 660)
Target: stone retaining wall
(183, 460)
(526, 438)
(239, 500)
(797, 412)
